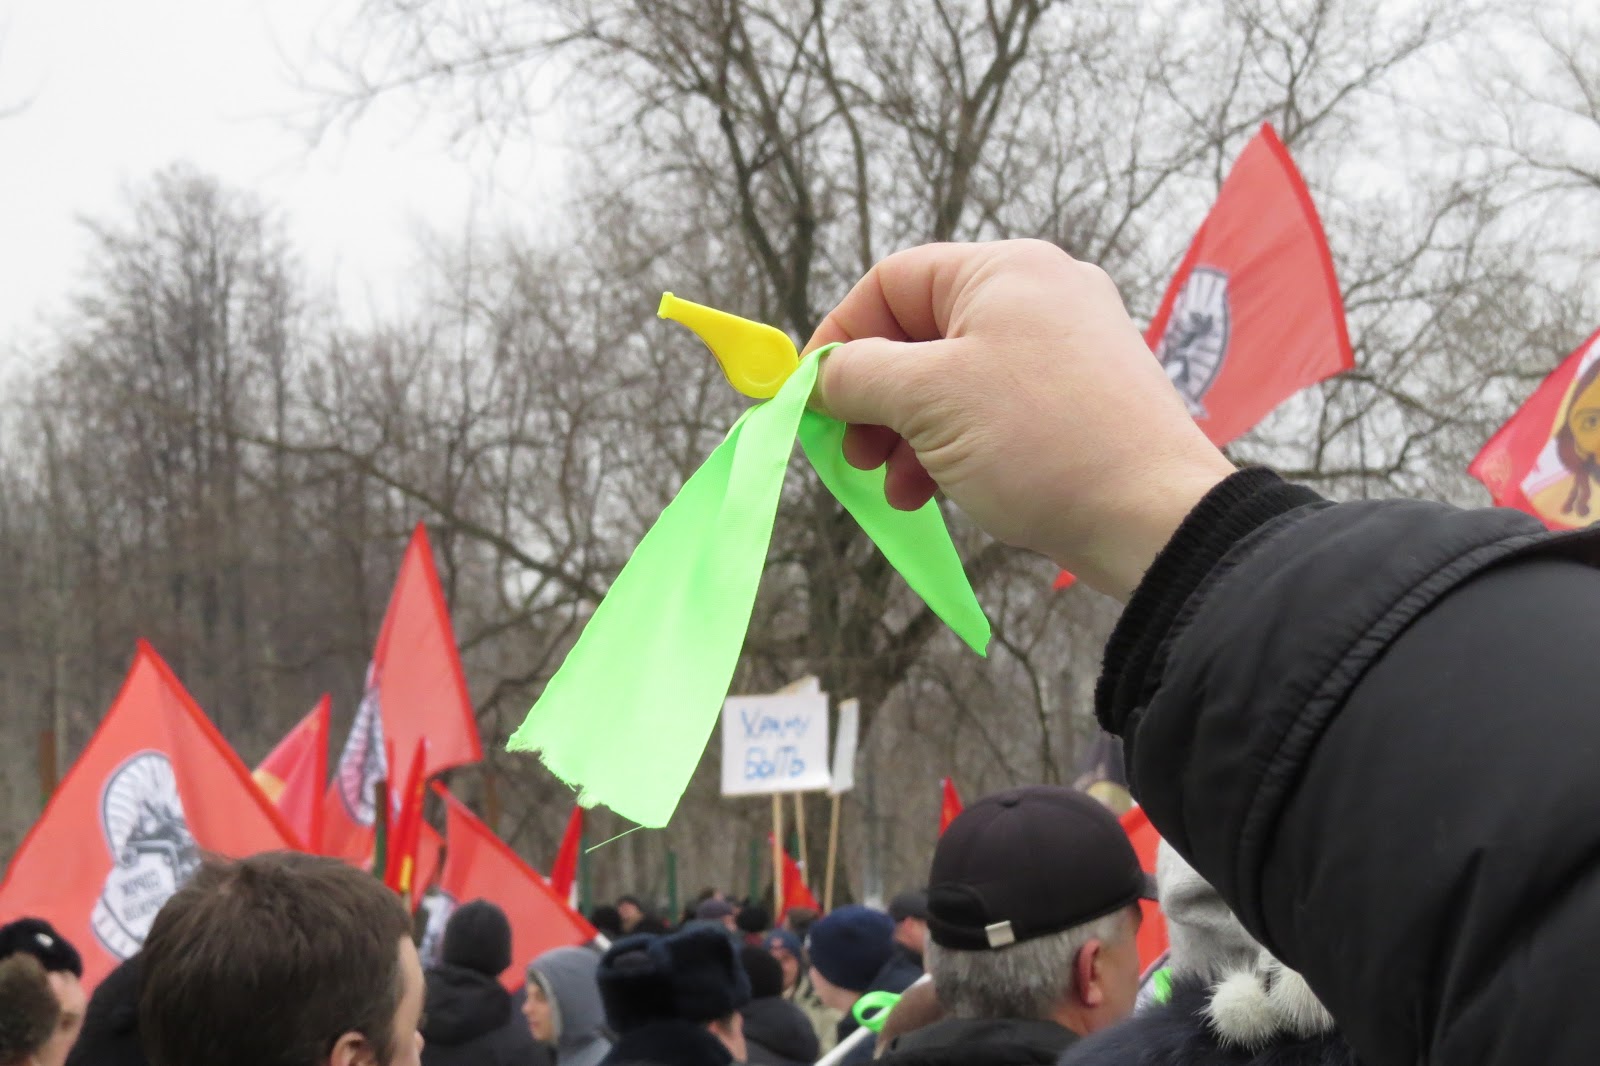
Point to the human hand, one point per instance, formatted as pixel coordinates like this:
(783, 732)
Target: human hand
(1009, 376)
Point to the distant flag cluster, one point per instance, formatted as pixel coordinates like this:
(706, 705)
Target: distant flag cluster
(158, 786)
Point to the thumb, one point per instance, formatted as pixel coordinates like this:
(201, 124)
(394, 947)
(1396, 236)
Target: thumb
(877, 382)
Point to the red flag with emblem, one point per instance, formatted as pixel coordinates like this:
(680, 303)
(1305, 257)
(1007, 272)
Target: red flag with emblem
(1253, 314)
(479, 865)
(415, 688)
(1153, 929)
(155, 787)
(295, 773)
(1546, 459)
(950, 804)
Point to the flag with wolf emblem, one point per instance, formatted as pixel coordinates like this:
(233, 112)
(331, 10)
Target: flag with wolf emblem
(155, 787)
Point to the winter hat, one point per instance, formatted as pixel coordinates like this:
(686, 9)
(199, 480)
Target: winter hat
(1206, 940)
(913, 904)
(691, 976)
(766, 975)
(1258, 1007)
(782, 938)
(28, 1008)
(38, 938)
(714, 910)
(754, 920)
(608, 920)
(478, 937)
(851, 945)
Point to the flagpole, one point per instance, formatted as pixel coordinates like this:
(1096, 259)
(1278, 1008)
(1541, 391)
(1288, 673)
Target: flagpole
(833, 856)
(800, 829)
(777, 857)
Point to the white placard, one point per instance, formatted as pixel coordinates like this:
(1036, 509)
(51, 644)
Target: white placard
(774, 744)
(845, 742)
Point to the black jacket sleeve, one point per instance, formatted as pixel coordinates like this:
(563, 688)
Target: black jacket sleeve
(1375, 728)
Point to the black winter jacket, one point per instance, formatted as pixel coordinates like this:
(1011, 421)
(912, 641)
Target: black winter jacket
(965, 1042)
(1177, 1033)
(668, 1043)
(470, 1022)
(903, 970)
(778, 1033)
(1373, 727)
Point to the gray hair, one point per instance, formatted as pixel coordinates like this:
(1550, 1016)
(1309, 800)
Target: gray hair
(1029, 980)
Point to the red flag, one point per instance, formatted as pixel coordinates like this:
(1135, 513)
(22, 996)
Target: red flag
(295, 773)
(415, 688)
(1253, 314)
(564, 874)
(1153, 930)
(950, 804)
(796, 893)
(479, 865)
(430, 847)
(154, 788)
(400, 867)
(1546, 459)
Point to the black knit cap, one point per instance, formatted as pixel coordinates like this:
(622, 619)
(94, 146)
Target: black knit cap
(477, 937)
(1026, 863)
(39, 938)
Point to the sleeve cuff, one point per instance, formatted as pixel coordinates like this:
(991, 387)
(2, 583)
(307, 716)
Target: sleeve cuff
(1230, 512)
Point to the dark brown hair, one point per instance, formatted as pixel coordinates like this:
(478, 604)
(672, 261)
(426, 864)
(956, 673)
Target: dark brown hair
(28, 1008)
(268, 961)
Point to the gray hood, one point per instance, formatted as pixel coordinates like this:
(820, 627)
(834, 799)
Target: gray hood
(567, 976)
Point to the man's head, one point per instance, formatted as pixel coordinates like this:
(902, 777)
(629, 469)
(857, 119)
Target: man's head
(787, 949)
(63, 968)
(847, 950)
(281, 960)
(910, 913)
(1033, 911)
(693, 976)
(478, 937)
(28, 1010)
(631, 911)
(720, 911)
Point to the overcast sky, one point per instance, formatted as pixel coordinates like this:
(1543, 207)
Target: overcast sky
(114, 90)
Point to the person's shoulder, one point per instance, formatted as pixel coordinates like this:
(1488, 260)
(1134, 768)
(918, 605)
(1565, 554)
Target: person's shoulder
(1165, 1034)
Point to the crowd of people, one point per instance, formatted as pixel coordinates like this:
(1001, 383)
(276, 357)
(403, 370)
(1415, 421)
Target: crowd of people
(1362, 730)
(1025, 933)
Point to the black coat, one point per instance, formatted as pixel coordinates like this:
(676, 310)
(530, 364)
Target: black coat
(668, 1043)
(966, 1042)
(778, 1033)
(903, 970)
(470, 1022)
(1374, 728)
(1175, 1033)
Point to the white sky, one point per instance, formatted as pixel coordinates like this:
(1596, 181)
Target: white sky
(114, 90)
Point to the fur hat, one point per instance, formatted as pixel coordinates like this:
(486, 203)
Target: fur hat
(691, 976)
(1255, 1008)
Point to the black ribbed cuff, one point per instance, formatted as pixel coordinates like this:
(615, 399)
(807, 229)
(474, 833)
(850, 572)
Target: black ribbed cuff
(1230, 512)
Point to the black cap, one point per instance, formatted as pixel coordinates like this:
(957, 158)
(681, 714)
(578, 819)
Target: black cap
(1026, 863)
(913, 904)
(38, 938)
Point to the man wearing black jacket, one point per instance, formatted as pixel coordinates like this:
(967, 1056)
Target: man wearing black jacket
(1371, 726)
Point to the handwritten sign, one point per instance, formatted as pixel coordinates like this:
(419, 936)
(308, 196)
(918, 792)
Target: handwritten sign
(774, 744)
